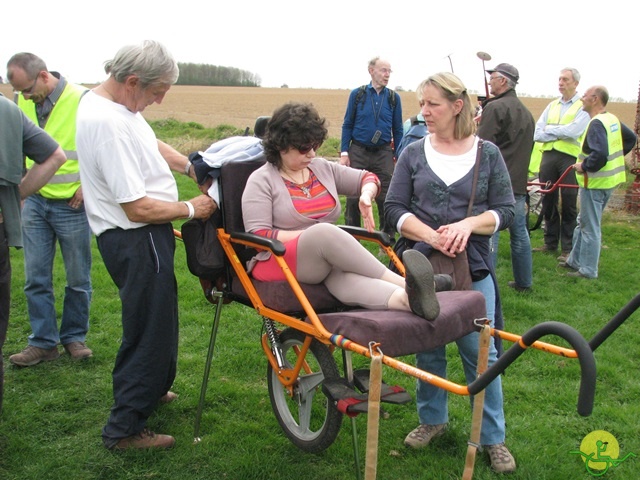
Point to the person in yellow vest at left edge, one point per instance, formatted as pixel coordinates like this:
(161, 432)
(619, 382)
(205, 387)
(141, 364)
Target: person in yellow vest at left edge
(600, 169)
(54, 214)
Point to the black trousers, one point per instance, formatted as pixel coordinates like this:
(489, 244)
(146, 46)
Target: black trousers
(560, 210)
(5, 301)
(380, 163)
(140, 262)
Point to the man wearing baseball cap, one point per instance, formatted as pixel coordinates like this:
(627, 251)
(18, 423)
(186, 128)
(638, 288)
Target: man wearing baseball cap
(506, 122)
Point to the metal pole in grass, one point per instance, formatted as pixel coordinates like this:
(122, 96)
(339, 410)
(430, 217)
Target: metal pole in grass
(348, 372)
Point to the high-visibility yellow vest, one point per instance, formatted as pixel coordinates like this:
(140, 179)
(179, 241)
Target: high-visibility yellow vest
(613, 172)
(569, 146)
(536, 159)
(61, 125)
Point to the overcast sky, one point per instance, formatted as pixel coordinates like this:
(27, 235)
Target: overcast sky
(327, 44)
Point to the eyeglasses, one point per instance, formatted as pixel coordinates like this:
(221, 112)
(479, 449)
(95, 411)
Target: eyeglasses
(304, 149)
(28, 91)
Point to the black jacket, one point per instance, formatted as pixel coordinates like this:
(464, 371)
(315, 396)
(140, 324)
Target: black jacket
(509, 124)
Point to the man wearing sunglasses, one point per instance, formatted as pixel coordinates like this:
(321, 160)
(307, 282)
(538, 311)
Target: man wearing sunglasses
(372, 127)
(54, 214)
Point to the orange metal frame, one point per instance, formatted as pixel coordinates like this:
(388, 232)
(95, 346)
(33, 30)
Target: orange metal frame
(316, 330)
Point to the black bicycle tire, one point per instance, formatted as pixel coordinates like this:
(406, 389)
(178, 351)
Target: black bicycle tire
(312, 441)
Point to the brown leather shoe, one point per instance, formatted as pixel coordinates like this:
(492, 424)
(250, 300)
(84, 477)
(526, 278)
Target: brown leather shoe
(78, 350)
(145, 439)
(34, 355)
(545, 249)
(168, 397)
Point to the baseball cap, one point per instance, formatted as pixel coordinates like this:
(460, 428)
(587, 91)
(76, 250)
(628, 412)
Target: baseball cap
(507, 70)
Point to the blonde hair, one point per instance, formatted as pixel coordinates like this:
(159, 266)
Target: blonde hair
(453, 89)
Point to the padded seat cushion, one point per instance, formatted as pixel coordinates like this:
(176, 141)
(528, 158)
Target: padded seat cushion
(279, 296)
(403, 333)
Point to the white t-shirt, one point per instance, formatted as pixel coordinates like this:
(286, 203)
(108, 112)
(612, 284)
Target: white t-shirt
(450, 168)
(119, 162)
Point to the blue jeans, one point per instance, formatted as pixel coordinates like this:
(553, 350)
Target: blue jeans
(432, 401)
(521, 257)
(44, 222)
(587, 236)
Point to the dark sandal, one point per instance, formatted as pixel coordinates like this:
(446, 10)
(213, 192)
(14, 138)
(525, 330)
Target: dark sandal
(420, 285)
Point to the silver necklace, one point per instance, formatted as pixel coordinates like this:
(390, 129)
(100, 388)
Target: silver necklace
(301, 186)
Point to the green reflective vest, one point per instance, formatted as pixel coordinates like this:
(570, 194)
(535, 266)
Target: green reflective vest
(536, 159)
(61, 125)
(567, 145)
(613, 172)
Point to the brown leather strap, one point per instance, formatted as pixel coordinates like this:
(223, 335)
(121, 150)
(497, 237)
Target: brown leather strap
(476, 173)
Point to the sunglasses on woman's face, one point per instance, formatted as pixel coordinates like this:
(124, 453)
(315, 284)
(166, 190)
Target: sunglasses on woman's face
(304, 149)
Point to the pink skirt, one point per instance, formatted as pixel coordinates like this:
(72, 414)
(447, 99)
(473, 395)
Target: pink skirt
(269, 270)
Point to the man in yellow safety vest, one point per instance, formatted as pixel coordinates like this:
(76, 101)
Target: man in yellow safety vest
(559, 129)
(54, 214)
(600, 169)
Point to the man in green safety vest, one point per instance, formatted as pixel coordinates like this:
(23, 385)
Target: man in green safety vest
(600, 169)
(54, 214)
(559, 130)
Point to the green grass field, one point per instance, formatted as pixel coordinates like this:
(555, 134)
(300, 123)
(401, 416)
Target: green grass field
(53, 412)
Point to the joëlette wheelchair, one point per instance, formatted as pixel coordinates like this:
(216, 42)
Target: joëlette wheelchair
(304, 325)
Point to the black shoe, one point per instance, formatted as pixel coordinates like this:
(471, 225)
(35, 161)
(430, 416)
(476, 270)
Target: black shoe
(518, 288)
(420, 286)
(443, 282)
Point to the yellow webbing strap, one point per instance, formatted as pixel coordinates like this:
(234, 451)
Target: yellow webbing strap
(373, 420)
(478, 405)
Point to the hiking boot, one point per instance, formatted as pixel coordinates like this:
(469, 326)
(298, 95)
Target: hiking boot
(563, 256)
(420, 286)
(501, 459)
(423, 434)
(566, 265)
(577, 274)
(518, 288)
(78, 350)
(168, 397)
(145, 439)
(34, 355)
(443, 282)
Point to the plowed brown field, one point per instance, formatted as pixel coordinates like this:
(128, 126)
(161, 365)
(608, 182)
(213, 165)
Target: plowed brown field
(239, 106)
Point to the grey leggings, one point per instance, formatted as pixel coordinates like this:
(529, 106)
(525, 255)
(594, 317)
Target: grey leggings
(329, 255)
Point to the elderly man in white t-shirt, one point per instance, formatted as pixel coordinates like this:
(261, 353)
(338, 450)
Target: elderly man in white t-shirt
(131, 199)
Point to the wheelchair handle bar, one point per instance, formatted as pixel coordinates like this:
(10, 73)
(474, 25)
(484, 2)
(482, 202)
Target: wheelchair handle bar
(585, 356)
(551, 187)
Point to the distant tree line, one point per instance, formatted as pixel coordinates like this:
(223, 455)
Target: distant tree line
(213, 75)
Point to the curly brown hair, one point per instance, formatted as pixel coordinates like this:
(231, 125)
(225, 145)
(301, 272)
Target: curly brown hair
(293, 125)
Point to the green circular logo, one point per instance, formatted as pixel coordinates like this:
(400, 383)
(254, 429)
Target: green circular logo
(597, 445)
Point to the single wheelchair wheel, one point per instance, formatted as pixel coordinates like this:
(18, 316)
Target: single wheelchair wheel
(308, 417)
